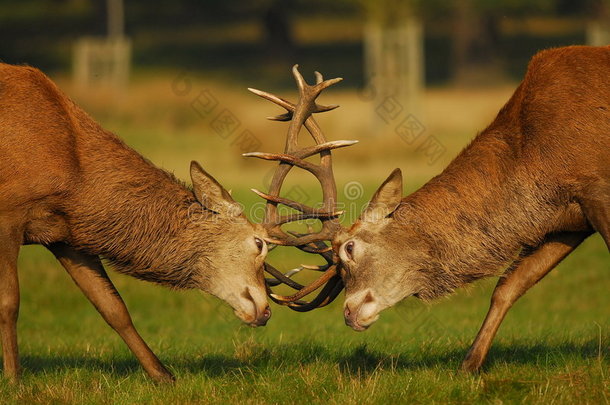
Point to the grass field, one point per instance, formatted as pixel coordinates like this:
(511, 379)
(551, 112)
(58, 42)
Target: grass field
(552, 348)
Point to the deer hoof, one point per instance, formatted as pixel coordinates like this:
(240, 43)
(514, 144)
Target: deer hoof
(472, 365)
(163, 377)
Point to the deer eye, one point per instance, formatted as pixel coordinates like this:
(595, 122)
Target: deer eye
(259, 244)
(349, 249)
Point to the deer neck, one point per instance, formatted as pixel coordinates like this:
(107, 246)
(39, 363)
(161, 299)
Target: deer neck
(482, 211)
(134, 215)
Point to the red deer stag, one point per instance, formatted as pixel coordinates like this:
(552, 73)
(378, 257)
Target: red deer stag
(71, 186)
(515, 202)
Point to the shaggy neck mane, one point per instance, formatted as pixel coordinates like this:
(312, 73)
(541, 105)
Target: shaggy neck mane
(480, 214)
(135, 215)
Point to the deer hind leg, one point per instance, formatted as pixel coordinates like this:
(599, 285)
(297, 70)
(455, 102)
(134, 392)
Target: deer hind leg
(9, 305)
(528, 272)
(89, 274)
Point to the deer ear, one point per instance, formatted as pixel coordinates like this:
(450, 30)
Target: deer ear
(385, 200)
(211, 194)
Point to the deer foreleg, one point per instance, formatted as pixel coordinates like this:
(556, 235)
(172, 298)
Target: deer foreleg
(89, 274)
(9, 303)
(528, 272)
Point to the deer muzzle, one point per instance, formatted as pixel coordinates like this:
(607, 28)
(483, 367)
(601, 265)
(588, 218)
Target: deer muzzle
(361, 310)
(254, 309)
(262, 317)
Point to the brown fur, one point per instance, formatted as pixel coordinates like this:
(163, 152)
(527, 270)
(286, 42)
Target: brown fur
(538, 175)
(522, 178)
(91, 190)
(70, 185)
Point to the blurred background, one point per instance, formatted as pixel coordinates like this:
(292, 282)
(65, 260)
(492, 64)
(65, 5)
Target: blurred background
(244, 40)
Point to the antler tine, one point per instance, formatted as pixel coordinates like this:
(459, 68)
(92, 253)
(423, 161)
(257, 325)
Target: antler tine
(327, 83)
(273, 98)
(281, 117)
(298, 77)
(303, 153)
(289, 203)
(319, 77)
(286, 158)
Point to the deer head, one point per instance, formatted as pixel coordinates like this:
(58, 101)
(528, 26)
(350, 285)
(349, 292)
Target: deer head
(380, 256)
(233, 269)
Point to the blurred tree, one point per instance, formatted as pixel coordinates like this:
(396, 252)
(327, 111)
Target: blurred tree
(99, 17)
(104, 59)
(279, 41)
(116, 18)
(598, 22)
(475, 41)
(476, 35)
(393, 60)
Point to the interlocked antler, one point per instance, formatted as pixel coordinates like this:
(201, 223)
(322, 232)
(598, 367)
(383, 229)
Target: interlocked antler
(300, 115)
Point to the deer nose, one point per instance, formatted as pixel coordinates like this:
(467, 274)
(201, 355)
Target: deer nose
(263, 317)
(350, 318)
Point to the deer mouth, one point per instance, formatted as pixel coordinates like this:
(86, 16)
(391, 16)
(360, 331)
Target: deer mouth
(261, 318)
(352, 323)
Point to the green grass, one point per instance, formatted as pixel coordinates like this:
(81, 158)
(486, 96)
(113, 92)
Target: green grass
(553, 346)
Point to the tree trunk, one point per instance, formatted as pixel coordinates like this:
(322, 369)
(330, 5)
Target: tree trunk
(393, 62)
(280, 48)
(598, 25)
(475, 44)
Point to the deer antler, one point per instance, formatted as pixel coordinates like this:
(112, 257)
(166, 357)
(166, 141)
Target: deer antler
(300, 115)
